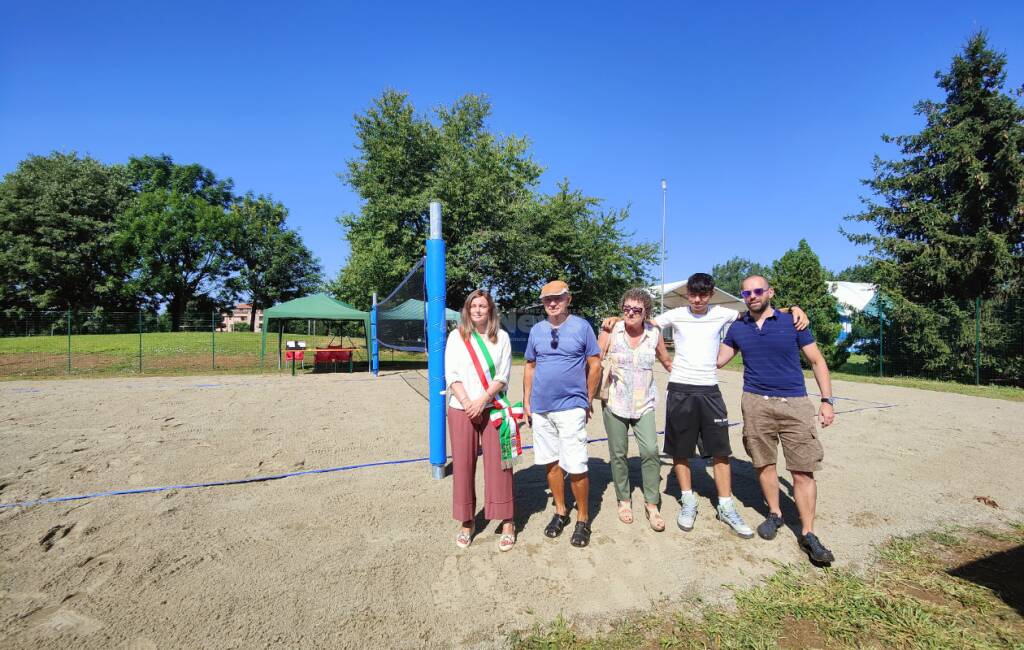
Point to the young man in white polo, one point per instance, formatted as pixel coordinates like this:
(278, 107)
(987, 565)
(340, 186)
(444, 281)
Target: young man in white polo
(696, 420)
(563, 369)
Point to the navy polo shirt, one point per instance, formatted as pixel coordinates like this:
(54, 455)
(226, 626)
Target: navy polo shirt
(771, 354)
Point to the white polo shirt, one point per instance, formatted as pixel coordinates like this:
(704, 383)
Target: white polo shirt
(696, 340)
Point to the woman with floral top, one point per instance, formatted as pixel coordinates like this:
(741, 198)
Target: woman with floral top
(632, 347)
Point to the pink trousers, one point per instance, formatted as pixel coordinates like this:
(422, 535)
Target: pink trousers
(466, 438)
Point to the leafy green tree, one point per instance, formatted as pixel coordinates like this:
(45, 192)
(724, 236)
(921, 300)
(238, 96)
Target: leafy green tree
(586, 247)
(799, 279)
(180, 234)
(276, 265)
(500, 232)
(58, 218)
(949, 223)
(730, 274)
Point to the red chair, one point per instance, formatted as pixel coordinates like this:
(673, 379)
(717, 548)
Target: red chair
(333, 354)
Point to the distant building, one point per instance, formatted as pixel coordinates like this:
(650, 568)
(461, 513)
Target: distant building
(242, 313)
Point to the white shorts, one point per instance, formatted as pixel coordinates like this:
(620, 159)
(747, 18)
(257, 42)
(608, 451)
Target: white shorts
(561, 436)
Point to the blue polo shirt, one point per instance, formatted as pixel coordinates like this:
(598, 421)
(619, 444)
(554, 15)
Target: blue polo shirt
(771, 354)
(560, 378)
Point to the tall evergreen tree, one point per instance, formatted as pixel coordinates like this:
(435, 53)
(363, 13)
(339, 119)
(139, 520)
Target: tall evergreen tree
(949, 226)
(799, 279)
(951, 216)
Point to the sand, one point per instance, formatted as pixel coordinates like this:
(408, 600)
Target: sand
(367, 557)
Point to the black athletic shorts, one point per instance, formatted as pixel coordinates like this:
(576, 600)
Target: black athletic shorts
(695, 419)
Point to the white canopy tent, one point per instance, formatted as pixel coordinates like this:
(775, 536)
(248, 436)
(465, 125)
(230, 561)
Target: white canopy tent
(675, 296)
(852, 296)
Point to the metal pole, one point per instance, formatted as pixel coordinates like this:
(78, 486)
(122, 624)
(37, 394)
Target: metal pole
(435, 276)
(140, 341)
(213, 340)
(374, 350)
(664, 199)
(977, 340)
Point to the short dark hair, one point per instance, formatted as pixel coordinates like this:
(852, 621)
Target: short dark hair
(700, 284)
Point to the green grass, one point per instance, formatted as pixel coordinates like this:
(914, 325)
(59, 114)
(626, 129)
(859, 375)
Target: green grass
(910, 599)
(165, 353)
(183, 353)
(858, 368)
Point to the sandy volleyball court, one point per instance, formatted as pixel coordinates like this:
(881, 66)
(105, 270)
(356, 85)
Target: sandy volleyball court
(366, 557)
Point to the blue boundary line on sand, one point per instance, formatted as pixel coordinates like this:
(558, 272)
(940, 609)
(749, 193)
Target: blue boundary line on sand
(305, 472)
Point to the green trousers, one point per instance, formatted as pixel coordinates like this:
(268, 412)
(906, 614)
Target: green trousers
(647, 441)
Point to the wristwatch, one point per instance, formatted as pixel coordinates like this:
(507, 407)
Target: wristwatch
(831, 401)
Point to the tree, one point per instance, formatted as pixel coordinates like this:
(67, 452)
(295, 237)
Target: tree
(180, 234)
(951, 215)
(276, 265)
(585, 247)
(866, 272)
(729, 275)
(58, 217)
(500, 232)
(799, 279)
(948, 222)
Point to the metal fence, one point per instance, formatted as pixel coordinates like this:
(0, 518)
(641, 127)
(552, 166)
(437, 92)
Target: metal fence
(56, 343)
(976, 342)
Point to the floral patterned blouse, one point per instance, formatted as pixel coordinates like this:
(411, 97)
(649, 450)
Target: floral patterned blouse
(632, 391)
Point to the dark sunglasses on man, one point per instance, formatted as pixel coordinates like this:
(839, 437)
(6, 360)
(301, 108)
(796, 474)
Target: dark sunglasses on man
(753, 292)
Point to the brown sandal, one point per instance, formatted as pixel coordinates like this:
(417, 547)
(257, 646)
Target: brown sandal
(625, 512)
(656, 520)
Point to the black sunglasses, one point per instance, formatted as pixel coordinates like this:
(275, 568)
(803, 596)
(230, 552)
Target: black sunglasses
(754, 292)
(554, 338)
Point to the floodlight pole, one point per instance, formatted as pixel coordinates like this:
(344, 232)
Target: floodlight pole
(436, 339)
(664, 192)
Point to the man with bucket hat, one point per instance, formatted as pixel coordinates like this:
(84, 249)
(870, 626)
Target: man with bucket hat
(563, 369)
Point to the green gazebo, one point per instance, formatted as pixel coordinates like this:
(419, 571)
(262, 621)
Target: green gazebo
(318, 306)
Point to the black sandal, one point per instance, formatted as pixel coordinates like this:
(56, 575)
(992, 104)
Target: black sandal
(555, 526)
(581, 535)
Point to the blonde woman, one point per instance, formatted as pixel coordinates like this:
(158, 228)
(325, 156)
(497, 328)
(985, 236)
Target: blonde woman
(478, 360)
(632, 347)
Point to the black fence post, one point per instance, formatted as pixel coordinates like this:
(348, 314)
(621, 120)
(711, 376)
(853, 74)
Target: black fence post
(977, 340)
(69, 341)
(140, 341)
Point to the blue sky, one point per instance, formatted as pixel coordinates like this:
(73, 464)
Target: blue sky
(763, 117)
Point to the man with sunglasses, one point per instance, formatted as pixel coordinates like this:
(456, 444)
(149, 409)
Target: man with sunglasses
(696, 420)
(560, 379)
(776, 408)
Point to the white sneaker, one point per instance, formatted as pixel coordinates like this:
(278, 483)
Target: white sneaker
(731, 518)
(687, 515)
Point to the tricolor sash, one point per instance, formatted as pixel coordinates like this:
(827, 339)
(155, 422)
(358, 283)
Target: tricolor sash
(503, 413)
